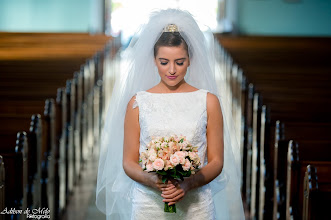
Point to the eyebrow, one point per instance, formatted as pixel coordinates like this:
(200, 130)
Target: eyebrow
(175, 59)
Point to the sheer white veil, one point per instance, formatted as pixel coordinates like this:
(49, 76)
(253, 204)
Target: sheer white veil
(113, 194)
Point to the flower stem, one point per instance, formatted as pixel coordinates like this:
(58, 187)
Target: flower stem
(169, 208)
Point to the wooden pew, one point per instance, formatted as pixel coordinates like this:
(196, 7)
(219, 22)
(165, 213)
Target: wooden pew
(317, 191)
(248, 143)
(287, 97)
(264, 208)
(15, 160)
(283, 189)
(61, 153)
(2, 184)
(39, 169)
(35, 95)
(47, 68)
(25, 46)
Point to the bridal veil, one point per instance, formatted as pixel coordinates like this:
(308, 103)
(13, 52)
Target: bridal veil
(113, 193)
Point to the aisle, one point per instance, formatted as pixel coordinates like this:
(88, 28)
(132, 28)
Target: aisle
(82, 202)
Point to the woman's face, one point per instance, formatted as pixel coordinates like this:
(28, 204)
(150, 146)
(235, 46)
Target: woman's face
(172, 63)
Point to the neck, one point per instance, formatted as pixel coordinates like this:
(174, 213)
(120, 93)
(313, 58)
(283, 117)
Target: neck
(177, 88)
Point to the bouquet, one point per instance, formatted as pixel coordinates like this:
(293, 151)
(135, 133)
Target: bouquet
(171, 157)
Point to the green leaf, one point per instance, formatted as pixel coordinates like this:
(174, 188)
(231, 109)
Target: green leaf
(164, 179)
(181, 172)
(161, 172)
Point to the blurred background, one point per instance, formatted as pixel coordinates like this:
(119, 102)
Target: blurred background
(251, 17)
(59, 60)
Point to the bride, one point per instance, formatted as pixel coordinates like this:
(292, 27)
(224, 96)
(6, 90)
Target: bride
(181, 99)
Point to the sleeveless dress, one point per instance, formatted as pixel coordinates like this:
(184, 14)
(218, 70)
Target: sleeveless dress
(164, 114)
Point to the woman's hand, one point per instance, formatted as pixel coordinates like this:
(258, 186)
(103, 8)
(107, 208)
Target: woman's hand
(155, 181)
(174, 192)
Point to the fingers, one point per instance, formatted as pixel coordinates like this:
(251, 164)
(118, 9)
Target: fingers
(169, 187)
(174, 197)
(172, 203)
(169, 191)
(165, 187)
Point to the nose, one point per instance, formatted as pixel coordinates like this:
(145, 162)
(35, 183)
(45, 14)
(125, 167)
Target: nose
(172, 69)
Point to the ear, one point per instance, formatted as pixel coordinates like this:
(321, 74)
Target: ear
(188, 62)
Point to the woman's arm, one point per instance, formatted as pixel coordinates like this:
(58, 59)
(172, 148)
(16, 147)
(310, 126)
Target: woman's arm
(214, 153)
(131, 150)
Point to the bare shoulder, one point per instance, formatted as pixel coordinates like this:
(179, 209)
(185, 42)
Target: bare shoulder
(212, 100)
(131, 103)
(213, 105)
(132, 114)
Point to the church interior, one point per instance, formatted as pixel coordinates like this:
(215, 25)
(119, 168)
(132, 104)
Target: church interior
(60, 59)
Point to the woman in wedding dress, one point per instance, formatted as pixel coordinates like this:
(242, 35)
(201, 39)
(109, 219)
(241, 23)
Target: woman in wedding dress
(173, 107)
(169, 89)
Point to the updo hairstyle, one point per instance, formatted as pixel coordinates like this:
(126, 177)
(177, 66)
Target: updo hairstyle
(170, 39)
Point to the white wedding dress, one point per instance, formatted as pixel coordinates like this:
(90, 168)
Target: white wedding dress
(164, 114)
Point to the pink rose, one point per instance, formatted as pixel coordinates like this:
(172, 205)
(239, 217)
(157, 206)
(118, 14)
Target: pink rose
(181, 155)
(186, 166)
(174, 159)
(158, 164)
(149, 167)
(152, 155)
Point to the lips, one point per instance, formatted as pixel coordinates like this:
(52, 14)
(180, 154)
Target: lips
(171, 77)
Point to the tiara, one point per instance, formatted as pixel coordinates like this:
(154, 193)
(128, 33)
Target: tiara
(171, 28)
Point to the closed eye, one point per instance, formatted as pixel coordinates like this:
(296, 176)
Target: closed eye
(164, 63)
(180, 64)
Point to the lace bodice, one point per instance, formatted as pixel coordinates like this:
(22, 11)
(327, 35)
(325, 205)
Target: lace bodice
(164, 114)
